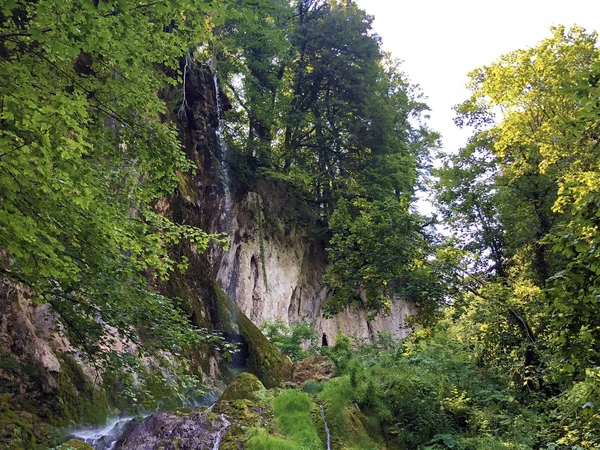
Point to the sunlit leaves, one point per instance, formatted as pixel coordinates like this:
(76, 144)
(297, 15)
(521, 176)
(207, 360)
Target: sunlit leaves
(84, 155)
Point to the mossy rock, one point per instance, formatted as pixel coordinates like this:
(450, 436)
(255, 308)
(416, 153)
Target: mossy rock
(78, 400)
(244, 415)
(244, 387)
(264, 360)
(74, 444)
(22, 430)
(355, 432)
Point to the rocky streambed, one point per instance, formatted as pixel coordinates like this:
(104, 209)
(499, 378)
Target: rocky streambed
(222, 425)
(229, 423)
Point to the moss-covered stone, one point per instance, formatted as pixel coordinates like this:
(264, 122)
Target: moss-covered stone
(74, 444)
(245, 386)
(21, 430)
(186, 188)
(264, 360)
(354, 432)
(78, 400)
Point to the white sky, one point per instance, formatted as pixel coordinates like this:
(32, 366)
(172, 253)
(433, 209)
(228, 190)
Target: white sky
(440, 41)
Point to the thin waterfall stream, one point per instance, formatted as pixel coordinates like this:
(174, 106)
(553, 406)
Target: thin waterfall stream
(326, 428)
(222, 431)
(106, 437)
(223, 161)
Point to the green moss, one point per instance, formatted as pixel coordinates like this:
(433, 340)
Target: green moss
(261, 440)
(349, 427)
(294, 414)
(74, 444)
(9, 363)
(264, 360)
(296, 424)
(20, 430)
(245, 386)
(186, 188)
(78, 400)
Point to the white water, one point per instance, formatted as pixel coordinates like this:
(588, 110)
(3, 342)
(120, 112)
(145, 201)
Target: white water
(326, 428)
(224, 153)
(105, 437)
(222, 432)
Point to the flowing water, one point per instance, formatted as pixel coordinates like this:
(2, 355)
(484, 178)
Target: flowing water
(223, 151)
(105, 437)
(326, 428)
(222, 431)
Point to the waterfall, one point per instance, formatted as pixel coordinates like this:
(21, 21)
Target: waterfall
(326, 428)
(225, 424)
(105, 437)
(223, 151)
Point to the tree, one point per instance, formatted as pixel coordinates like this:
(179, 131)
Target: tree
(320, 106)
(519, 175)
(84, 154)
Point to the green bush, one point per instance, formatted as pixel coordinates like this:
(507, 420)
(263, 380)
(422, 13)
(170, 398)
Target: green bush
(294, 411)
(290, 339)
(263, 441)
(428, 393)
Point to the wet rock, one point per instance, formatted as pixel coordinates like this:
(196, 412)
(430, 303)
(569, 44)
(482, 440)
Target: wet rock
(196, 431)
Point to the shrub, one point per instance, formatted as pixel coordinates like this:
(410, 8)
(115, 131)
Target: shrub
(290, 339)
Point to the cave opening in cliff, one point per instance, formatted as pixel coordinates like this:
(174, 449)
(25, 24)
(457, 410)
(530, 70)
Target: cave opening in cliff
(324, 342)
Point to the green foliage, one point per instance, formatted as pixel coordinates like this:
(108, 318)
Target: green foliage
(291, 339)
(379, 250)
(523, 194)
(319, 106)
(293, 414)
(85, 155)
(341, 352)
(429, 392)
(292, 410)
(578, 413)
(261, 440)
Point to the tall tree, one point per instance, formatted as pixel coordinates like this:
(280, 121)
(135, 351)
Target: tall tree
(530, 154)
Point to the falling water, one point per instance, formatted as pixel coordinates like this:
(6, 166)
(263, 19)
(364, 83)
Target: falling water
(326, 428)
(224, 165)
(222, 432)
(105, 437)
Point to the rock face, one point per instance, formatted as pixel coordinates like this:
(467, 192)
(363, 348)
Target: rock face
(194, 431)
(273, 269)
(222, 426)
(42, 379)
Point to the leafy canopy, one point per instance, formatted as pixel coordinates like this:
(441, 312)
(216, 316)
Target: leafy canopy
(85, 154)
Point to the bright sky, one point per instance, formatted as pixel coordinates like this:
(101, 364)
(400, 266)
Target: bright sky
(440, 41)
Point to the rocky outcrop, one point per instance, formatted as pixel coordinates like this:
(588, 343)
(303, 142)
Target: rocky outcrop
(224, 425)
(172, 431)
(314, 368)
(274, 265)
(273, 269)
(43, 380)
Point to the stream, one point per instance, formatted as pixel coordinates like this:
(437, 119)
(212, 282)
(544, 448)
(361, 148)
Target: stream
(106, 437)
(326, 428)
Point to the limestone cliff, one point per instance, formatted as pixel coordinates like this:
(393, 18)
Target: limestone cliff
(276, 271)
(273, 267)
